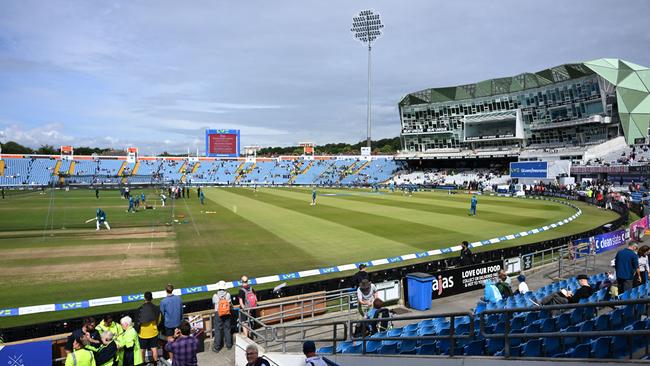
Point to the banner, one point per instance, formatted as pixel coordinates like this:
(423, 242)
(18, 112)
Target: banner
(529, 169)
(638, 227)
(609, 241)
(460, 280)
(27, 354)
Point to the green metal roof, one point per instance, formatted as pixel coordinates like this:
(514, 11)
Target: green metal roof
(498, 86)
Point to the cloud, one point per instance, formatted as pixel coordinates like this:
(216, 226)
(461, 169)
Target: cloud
(49, 134)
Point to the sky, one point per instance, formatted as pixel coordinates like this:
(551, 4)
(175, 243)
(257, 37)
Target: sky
(156, 73)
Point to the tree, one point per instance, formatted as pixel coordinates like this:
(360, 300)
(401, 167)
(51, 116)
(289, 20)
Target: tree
(12, 147)
(47, 150)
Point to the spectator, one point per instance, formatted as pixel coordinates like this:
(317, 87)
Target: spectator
(107, 324)
(87, 332)
(491, 294)
(128, 344)
(523, 286)
(252, 357)
(557, 298)
(643, 264)
(248, 302)
(366, 294)
(360, 276)
(223, 317)
(183, 346)
(626, 263)
(466, 256)
(309, 349)
(378, 311)
(583, 292)
(106, 354)
(171, 308)
(148, 319)
(79, 356)
(504, 287)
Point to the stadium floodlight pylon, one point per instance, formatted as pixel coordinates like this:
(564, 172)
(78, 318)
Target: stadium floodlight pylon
(367, 27)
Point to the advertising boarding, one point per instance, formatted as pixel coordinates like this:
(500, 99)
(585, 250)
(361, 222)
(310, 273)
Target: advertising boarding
(529, 169)
(638, 228)
(459, 280)
(609, 241)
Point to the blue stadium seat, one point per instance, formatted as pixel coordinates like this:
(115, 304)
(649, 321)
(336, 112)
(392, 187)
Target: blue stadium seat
(475, 348)
(462, 328)
(552, 346)
(408, 346)
(580, 351)
(372, 346)
(602, 323)
(600, 347)
(563, 320)
(548, 325)
(532, 317)
(616, 319)
(517, 322)
(411, 327)
(343, 346)
(532, 348)
(571, 341)
(532, 328)
(325, 350)
(480, 307)
(577, 316)
(388, 349)
(426, 349)
(517, 341)
(353, 349)
(515, 351)
(586, 326)
(618, 347)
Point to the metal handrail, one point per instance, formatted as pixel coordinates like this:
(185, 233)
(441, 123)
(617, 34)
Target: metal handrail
(334, 339)
(452, 336)
(506, 335)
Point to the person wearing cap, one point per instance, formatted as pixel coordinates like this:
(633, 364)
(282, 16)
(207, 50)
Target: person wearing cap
(366, 294)
(309, 349)
(523, 286)
(247, 301)
(222, 318)
(626, 263)
(360, 276)
(583, 292)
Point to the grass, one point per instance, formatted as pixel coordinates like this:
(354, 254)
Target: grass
(49, 255)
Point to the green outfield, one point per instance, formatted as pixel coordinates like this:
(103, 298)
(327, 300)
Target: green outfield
(48, 254)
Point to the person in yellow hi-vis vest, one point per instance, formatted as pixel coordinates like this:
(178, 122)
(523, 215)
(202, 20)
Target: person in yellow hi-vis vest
(107, 324)
(129, 344)
(80, 356)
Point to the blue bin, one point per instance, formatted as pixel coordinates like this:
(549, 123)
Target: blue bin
(419, 290)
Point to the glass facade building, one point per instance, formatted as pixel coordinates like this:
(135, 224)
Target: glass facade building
(568, 105)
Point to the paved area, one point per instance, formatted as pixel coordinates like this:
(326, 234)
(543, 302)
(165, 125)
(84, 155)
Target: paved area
(536, 278)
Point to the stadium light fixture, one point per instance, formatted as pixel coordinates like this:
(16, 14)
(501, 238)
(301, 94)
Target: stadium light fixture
(367, 27)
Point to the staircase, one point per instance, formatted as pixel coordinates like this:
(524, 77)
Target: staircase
(361, 167)
(121, 170)
(135, 168)
(71, 170)
(244, 172)
(303, 171)
(183, 167)
(196, 167)
(57, 166)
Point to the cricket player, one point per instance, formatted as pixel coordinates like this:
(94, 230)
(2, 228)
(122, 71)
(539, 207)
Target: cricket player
(96, 193)
(163, 198)
(100, 217)
(472, 207)
(313, 196)
(202, 197)
(131, 205)
(142, 198)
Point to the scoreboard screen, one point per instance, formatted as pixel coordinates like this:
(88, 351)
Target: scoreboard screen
(222, 143)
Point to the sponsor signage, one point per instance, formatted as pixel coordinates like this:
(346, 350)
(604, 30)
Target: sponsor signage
(460, 280)
(527, 262)
(609, 241)
(27, 354)
(513, 265)
(529, 169)
(638, 228)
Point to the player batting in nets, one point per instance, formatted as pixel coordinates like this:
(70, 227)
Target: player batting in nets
(100, 218)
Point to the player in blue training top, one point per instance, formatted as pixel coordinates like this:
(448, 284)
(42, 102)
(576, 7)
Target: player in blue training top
(131, 205)
(313, 196)
(202, 197)
(472, 207)
(142, 197)
(100, 217)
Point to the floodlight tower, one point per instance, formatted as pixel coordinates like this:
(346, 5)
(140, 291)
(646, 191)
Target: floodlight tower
(367, 28)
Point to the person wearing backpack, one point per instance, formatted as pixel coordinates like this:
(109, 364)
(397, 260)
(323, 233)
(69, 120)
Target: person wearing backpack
(248, 302)
(223, 317)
